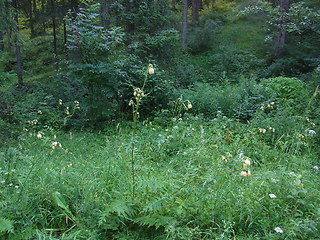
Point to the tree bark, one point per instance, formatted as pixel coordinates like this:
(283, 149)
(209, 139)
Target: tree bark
(104, 11)
(130, 25)
(1, 42)
(280, 39)
(196, 7)
(53, 18)
(184, 23)
(64, 33)
(43, 23)
(18, 48)
(31, 19)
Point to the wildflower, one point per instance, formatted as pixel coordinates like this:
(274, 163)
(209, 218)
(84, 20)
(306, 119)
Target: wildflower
(60, 102)
(316, 167)
(2, 182)
(151, 69)
(271, 195)
(311, 132)
(262, 130)
(245, 173)
(16, 187)
(40, 112)
(278, 230)
(246, 162)
(176, 127)
(55, 144)
(189, 106)
(272, 129)
(224, 159)
(39, 135)
(13, 170)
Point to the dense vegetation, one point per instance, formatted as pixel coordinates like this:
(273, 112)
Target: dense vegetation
(159, 119)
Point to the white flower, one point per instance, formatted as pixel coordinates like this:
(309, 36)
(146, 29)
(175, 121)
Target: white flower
(189, 106)
(245, 173)
(246, 162)
(312, 132)
(271, 195)
(55, 144)
(262, 130)
(278, 230)
(151, 69)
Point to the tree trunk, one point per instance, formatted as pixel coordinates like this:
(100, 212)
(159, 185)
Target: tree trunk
(104, 11)
(18, 49)
(43, 23)
(280, 39)
(184, 23)
(64, 34)
(53, 18)
(196, 6)
(74, 5)
(31, 19)
(130, 24)
(1, 42)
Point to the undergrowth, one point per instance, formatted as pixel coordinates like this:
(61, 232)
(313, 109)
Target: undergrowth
(194, 179)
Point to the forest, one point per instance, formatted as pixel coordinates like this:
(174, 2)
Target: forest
(159, 119)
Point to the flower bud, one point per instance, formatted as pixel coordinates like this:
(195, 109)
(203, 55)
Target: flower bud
(151, 69)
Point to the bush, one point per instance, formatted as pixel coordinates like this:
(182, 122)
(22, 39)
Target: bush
(239, 101)
(289, 92)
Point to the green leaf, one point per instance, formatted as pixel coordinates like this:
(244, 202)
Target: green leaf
(60, 201)
(6, 225)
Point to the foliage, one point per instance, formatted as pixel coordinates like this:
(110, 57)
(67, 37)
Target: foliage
(239, 101)
(91, 41)
(290, 92)
(202, 36)
(187, 175)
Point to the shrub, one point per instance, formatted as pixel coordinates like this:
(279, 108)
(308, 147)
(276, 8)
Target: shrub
(289, 92)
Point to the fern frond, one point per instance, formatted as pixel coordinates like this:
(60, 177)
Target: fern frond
(6, 225)
(156, 220)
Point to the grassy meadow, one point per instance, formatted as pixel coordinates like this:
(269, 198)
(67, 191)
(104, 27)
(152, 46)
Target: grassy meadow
(193, 179)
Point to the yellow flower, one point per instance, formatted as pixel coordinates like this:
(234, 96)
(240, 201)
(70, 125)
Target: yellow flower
(189, 106)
